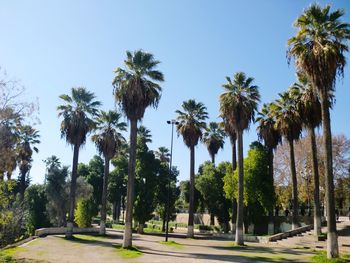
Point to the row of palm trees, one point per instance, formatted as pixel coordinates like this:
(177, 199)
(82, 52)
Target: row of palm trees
(318, 51)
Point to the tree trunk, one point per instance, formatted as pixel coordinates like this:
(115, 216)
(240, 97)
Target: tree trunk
(190, 230)
(127, 241)
(163, 225)
(234, 214)
(73, 188)
(140, 228)
(295, 223)
(239, 222)
(114, 211)
(212, 159)
(212, 219)
(317, 209)
(104, 198)
(271, 229)
(332, 237)
(23, 184)
(234, 159)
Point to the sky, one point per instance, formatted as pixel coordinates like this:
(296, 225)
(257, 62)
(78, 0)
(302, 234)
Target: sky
(52, 46)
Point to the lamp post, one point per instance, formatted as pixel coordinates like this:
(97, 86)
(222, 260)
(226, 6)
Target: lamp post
(172, 122)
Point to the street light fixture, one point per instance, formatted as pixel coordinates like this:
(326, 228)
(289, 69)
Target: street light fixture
(172, 122)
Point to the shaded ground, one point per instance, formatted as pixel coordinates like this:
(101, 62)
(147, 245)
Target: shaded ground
(104, 249)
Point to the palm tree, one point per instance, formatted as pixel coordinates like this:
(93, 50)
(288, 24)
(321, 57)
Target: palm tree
(191, 126)
(144, 134)
(136, 88)
(271, 137)
(238, 104)
(318, 50)
(163, 154)
(310, 108)
(78, 112)
(28, 136)
(288, 123)
(214, 139)
(108, 140)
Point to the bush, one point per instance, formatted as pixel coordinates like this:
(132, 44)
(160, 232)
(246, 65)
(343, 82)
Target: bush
(205, 228)
(83, 213)
(11, 216)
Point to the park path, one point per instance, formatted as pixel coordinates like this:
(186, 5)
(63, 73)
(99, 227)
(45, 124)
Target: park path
(97, 249)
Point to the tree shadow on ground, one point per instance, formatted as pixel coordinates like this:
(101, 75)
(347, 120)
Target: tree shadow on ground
(92, 240)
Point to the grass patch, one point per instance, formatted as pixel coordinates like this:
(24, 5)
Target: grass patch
(118, 226)
(234, 244)
(321, 257)
(6, 256)
(149, 230)
(128, 253)
(171, 244)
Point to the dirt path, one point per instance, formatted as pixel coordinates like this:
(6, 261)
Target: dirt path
(97, 249)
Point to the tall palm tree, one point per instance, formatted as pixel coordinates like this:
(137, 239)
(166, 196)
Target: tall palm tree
(271, 137)
(108, 140)
(136, 88)
(144, 134)
(78, 112)
(214, 139)
(163, 154)
(191, 126)
(318, 50)
(238, 104)
(288, 123)
(28, 137)
(310, 108)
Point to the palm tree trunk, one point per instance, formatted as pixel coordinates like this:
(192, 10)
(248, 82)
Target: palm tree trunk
(127, 241)
(190, 231)
(73, 188)
(317, 209)
(239, 222)
(332, 237)
(271, 229)
(104, 198)
(212, 159)
(234, 162)
(294, 185)
(22, 183)
(234, 214)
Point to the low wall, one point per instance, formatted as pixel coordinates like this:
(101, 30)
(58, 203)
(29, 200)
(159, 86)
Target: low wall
(62, 230)
(290, 233)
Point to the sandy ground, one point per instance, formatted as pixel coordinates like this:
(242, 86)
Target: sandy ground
(202, 249)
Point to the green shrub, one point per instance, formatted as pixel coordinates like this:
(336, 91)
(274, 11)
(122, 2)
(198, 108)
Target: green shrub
(83, 213)
(205, 228)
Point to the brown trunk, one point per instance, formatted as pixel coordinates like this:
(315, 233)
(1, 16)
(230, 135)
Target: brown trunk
(234, 159)
(73, 188)
(332, 237)
(190, 232)
(104, 198)
(163, 225)
(317, 209)
(127, 241)
(212, 159)
(212, 219)
(114, 211)
(239, 222)
(271, 229)
(234, 214)
(23, 183)
(295, 223)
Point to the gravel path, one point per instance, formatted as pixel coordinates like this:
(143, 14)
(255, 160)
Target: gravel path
(97, 249)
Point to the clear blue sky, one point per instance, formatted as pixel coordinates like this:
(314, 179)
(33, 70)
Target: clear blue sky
(54, 45)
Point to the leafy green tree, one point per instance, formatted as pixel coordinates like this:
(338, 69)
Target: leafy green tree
(78, 112)
(27, 138)
(147, 167)
(12, 213)
(117, 184)
(35, 202)
(191, 126)
(238, 104)
(318, 49)
(214, 139)
(108, 140)
(288, 123)
(83, 213)
(136, 88)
